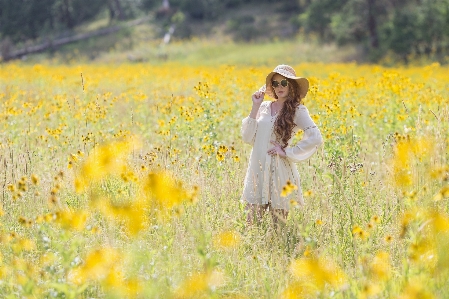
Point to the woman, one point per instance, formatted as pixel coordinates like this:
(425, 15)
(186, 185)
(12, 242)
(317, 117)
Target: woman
(272, 179)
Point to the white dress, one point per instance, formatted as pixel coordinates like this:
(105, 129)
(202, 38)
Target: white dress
(267, 175)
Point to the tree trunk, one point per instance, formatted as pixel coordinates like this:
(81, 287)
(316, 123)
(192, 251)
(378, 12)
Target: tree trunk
(120, 13)
(111, 11)
(68, 20)
(372, 24)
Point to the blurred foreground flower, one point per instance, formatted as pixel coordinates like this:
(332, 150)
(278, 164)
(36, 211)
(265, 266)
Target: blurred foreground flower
(442, 194)
(165, 192)
(69, 219)
(104, 160)
(317, 272)
(158, 194)
(228, 239)
(380, 268)
(370, 290)
(415, 290)
(408, 151)
(133, 215)
(97, 266)
(199, 284)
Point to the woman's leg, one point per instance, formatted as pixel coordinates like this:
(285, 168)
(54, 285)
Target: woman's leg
(254, 212)
(278, 215)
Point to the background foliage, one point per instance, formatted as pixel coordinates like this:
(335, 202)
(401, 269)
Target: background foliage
(406, 28)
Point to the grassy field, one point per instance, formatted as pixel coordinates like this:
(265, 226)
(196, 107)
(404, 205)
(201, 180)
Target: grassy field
(125, 47)
(123, 181)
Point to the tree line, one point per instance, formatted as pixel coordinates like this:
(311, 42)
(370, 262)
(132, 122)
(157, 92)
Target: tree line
(21, 20)
(403, 27)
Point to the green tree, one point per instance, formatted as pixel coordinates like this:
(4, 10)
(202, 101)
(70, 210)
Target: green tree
(74, 12)
(402, 26)
(419, 29)
(27, 19)
(404, 32)
(21, 19)
(318, 15)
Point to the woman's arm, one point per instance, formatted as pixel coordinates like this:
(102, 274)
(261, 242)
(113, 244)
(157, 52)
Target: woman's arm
(310, 141)
(249, 124)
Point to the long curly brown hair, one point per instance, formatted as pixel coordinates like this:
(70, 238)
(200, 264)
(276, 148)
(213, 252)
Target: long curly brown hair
(284, 124)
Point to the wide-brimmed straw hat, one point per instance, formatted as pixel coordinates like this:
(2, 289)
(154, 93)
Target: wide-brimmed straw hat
(288, 72)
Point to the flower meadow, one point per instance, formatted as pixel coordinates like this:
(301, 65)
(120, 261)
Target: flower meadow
(123, 181)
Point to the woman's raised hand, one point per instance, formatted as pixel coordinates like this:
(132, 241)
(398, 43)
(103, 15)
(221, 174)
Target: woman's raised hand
(258, 97)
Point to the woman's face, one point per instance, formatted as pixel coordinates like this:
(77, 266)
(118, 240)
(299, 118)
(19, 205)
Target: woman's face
(278, 82)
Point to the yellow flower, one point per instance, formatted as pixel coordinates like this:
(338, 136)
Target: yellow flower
(440, 222)
(165, 190)
(227, 239)
(359, 232)
(380, 268)
(415, 290)
(284, 191)
(220, 157)
(133, 215)
(293, 203)
(423, 251)
(199, 284)
(307, 252)
(25, 222)
(27, 245)
(34, 179)
(69, 219)
(375, 219)
(308, 193)
(108, 159)
(117, 285)
(73, 158)
(297, 290)
(370, 290)
(442, 194)
(193, 286)
(439, 172)
(288, 188)
(356, 230)
(319, 272)
(97, 265)
(49, 217)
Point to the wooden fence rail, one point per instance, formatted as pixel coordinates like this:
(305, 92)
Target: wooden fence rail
(49, 44)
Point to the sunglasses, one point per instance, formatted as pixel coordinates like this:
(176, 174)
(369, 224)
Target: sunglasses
(283, 82)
